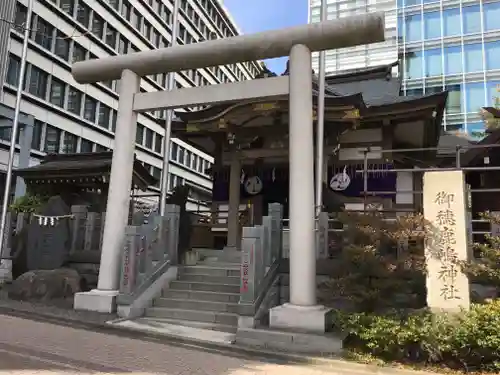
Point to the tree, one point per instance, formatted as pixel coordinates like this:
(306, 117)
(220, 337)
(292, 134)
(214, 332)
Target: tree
(373, 273)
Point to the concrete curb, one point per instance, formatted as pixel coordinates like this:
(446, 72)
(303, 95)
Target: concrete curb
(333, 365)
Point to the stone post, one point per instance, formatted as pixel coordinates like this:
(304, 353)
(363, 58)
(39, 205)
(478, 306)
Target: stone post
(103, 299)
(233, 217)
(172, 213)
(275, 210)
(445, 208)
(301, 313)
(250, 242)
(322, 236)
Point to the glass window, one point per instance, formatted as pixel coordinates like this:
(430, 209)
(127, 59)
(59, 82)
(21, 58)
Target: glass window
(474, 96)
(158, 143)
(98, 26)
(473, 57)
(69, 144)
(37, 135)
(111, 36)
(415, 92)
(472, 19)
(126, 9)
(20, 17)
(181, 155)
(174, 149)
(57, 90)
(149, 138)
(75, 101)
(432, 25)
(157, 175)
(122, 45)
(454, 102)
(114, 3)
(86, 145)
(104, 115)
(52, 140)
(79, 53)
(136, 19)
(68, 6)
(83, 14)
(61, 48)
(38, 82)
(433, 63)
(113, 120)
(90, 108)
(491, 13)
(44, 33)
(476, 130)
(414, 65)
(13, 70)
(453, 60)
(493, 93)
(492, 52)
(139, 135)
(147, 30)
(451, 22)
(99, 148)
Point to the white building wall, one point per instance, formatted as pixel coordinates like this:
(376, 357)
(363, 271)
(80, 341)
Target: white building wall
(59, 127)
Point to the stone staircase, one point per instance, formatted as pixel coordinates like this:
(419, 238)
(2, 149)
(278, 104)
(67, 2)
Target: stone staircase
(204, 296)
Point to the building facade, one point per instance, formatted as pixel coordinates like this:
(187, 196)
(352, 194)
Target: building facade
(452, 45)
(70, 117)
(444, 45)
(351, 59)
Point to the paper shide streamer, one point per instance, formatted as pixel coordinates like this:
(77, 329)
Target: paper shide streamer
(45, 221)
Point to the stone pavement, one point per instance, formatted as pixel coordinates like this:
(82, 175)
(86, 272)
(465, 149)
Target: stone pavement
(30, 347)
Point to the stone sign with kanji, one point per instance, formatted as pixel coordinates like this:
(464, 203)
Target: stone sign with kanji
(445, 208)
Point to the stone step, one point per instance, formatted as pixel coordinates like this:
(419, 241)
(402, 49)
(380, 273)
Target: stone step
(228, 319)
(201, 295)
(219, 264)
(190, 304)
(204, 287)
(206, 252)
(193, 324)
(210, 270)
(289, 341)
(229, 280)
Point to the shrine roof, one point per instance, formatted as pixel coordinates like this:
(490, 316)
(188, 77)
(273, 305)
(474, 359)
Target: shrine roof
(370, 90)
(94, 166)
(473, 155)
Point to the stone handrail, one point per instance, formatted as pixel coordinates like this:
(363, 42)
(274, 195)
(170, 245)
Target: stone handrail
(261, 253)
(149, 250)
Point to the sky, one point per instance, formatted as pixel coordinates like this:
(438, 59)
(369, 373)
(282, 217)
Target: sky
(253, 16)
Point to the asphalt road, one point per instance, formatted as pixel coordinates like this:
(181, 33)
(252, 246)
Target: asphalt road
(29, 347)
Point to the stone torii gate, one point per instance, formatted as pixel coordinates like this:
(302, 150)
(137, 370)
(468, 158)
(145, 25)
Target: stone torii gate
(297, 43)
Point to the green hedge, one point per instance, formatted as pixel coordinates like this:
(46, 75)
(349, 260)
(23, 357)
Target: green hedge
(469, 340)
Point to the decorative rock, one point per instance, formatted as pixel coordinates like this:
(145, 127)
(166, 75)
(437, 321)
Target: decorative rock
(46, 285)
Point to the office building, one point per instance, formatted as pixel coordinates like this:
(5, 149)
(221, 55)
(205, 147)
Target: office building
(452, 45)
(70, 117)
(351, 59)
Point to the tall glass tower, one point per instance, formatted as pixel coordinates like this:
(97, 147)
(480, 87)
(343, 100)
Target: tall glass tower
(353, 58)
(452, 45)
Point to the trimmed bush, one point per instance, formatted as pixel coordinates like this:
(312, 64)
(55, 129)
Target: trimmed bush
(468, 340)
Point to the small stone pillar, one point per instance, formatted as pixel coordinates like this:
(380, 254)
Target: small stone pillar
(233, 218)
(445, 208)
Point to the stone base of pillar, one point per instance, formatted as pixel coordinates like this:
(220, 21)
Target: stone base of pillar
(5, 271)
(103, 301)
(309, 319)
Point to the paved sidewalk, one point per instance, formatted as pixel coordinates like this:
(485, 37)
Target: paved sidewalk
(28, 346)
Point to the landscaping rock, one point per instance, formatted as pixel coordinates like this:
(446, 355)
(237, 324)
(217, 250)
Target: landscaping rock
(45, 285)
